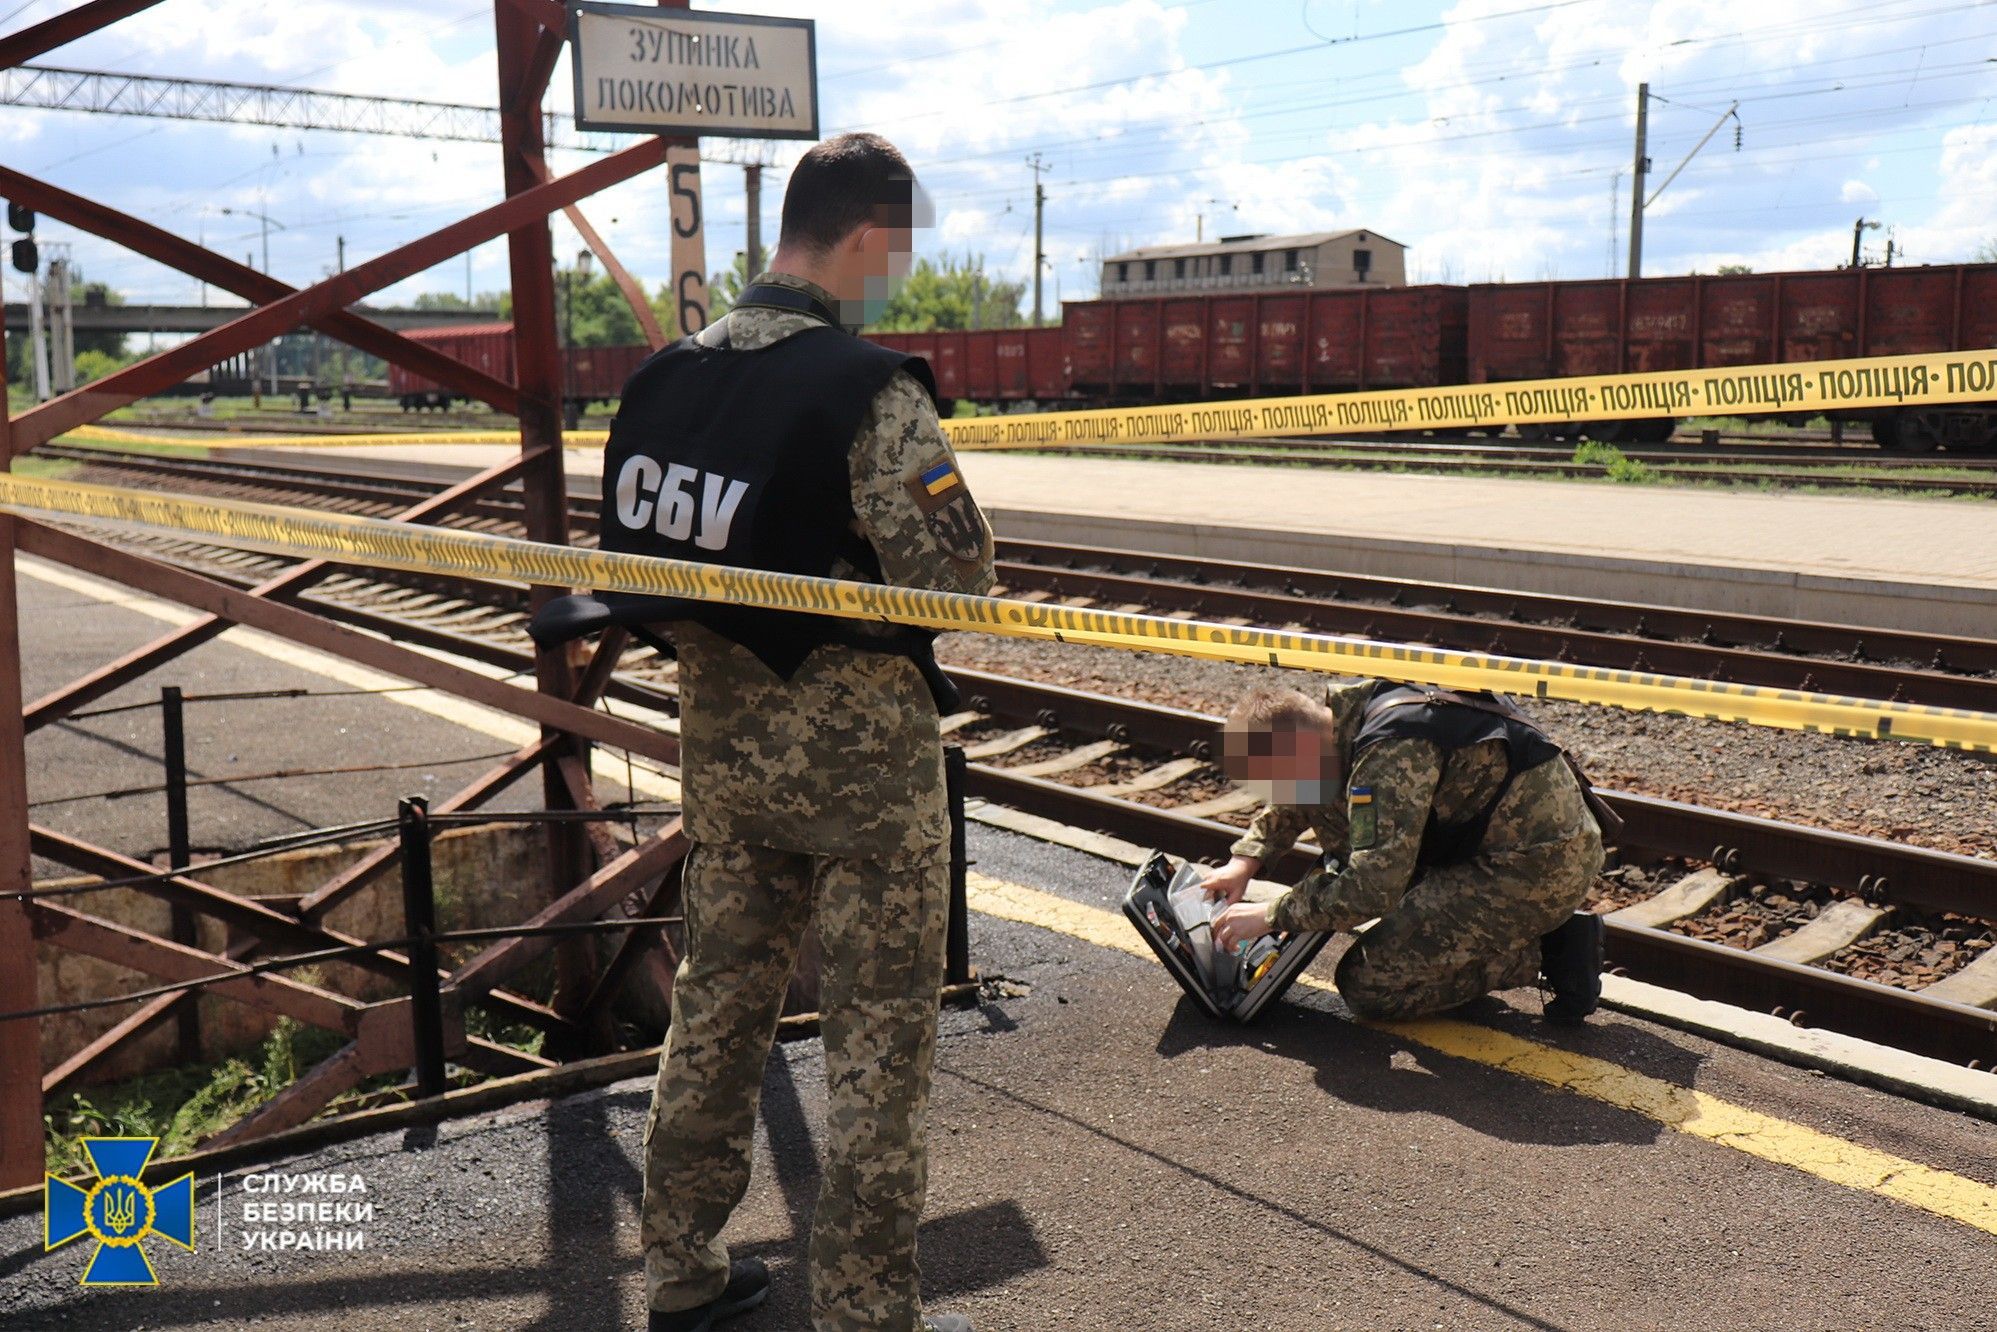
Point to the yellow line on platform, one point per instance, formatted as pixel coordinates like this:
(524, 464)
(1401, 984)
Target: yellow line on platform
(1683, 1109)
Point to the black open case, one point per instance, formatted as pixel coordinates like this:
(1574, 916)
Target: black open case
(1172, 912)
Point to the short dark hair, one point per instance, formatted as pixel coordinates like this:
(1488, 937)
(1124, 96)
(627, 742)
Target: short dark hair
(841, 184)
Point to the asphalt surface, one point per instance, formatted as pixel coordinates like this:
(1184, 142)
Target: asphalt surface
(66, 633)
(1103, 1157)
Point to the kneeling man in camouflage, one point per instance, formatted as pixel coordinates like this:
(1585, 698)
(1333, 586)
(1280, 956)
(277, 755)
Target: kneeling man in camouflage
(1448, 818)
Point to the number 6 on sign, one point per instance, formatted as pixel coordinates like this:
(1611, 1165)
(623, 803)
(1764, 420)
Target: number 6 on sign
(689, 243)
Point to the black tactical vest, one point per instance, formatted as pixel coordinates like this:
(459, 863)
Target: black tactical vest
(1453, 721)
(740, 458)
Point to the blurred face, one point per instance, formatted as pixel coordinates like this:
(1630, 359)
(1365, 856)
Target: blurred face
(1285, 767)
(886, 254)
(875, 260)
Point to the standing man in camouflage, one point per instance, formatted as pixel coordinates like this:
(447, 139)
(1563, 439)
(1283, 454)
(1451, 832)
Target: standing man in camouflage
(811, 759)
(1460, 826)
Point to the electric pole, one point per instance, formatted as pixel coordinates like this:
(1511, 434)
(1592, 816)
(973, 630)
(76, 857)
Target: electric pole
(1641, 166)
(752, 186)
(1039, 213)
(1858, 230)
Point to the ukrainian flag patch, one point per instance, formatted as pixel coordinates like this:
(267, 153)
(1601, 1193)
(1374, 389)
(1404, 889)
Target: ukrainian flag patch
(1364, 823)
(939, 478)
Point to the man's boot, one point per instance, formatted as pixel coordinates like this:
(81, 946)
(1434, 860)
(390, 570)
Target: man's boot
(1570, 957)
(748, 1286)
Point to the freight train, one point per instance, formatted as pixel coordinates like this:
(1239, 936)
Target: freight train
(1201, 347)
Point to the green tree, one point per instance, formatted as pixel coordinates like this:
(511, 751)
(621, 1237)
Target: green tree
(952, 293)
(723, 289)
(95, 295)
(1986, 253)
(601, 315)
(1730, 270)
(450, 300)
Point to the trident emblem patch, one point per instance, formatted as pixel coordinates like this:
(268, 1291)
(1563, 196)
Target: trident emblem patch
(118, 1212)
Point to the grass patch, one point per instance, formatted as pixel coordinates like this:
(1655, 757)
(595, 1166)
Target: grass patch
(182, 1106)
(185, 1106)
(1614, 463)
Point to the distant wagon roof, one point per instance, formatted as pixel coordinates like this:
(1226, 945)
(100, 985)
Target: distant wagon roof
(1231, 244)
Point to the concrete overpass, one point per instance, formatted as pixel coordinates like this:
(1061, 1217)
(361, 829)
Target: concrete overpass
(201, 318)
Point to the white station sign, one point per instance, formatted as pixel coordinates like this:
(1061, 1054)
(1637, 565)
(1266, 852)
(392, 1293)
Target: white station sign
(684, 72)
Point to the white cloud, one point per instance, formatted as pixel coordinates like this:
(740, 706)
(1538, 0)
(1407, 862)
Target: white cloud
(1491, 148)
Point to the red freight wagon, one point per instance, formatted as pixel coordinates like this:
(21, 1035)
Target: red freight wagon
(990, 364)
(1089, 333)
(593, 374)
(1541, 330)
(597, 374)
(485, 347)
(1046, 363)
(947, 364)
(1384, 337)
(1280, 322)
(1273, 342)
(1182, 339)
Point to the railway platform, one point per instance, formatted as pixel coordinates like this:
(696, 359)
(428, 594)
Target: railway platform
(1103, 1157)
(1901, 563)
(1309, 1172)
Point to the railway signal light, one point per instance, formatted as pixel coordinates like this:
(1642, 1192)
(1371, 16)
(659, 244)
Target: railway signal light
(21, 217)
(27, 259)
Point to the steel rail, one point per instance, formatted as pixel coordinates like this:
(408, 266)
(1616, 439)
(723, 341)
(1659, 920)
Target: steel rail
(1500, 467)
(1940, 652)
(1515, 638)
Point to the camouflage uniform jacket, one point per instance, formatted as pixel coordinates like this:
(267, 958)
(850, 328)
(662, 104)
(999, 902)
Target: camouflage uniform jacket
(1400, 782)
(844, 759)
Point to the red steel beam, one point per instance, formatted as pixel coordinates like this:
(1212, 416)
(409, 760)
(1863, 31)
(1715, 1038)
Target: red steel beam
(525, 58)
(270, 926)
(310, 908)
(549, 16)
(181, 254)
(63, 29)
(634, 293)
(20, 1039)
(165, 369)
(586, 901)
(166, 960)
(85, 690)
(302, 626)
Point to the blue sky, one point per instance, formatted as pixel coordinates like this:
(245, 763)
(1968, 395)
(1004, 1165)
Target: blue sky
(1487, 135)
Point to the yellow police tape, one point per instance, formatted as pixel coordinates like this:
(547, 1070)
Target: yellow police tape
(1800, 387)
(229, 439)
(309, 534)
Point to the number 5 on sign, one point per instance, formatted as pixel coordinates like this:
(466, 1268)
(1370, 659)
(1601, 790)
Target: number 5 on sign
(689, 286)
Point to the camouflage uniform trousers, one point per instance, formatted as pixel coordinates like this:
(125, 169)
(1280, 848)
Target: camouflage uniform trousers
(882, 926)
(1466, 930)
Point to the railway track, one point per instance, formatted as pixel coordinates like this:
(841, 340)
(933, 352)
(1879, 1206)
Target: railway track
(1144, 772)
(1498, 464)
(1932, 669)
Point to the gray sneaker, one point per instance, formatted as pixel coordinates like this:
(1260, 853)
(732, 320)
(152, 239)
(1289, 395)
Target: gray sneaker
(945, 1323)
